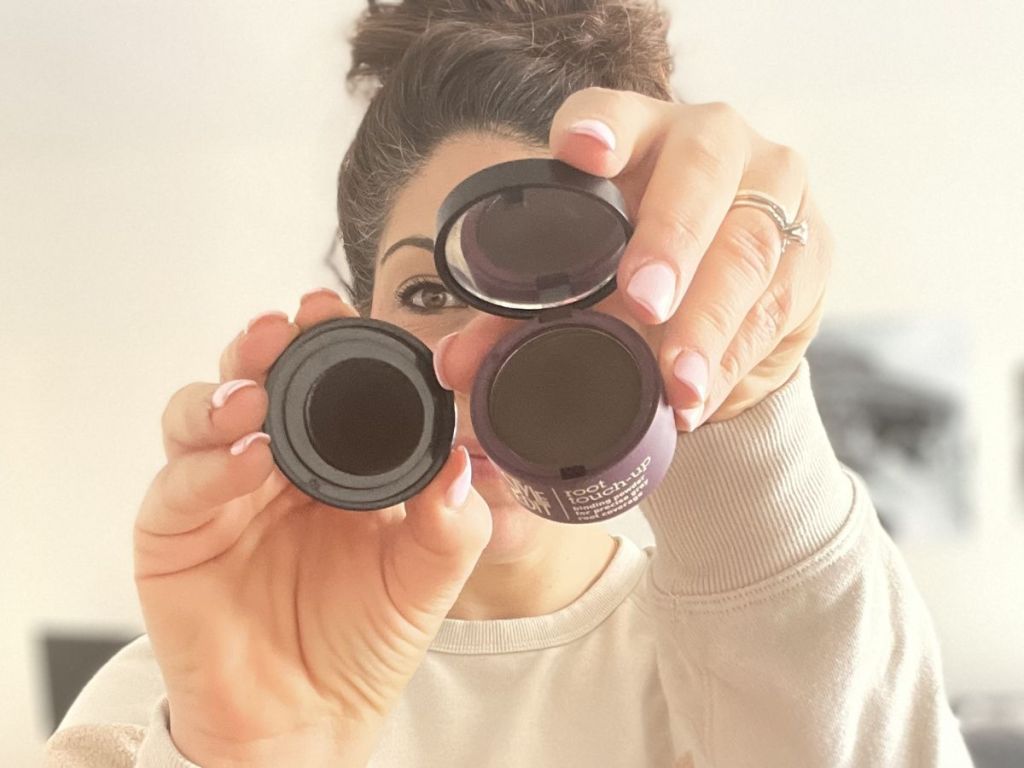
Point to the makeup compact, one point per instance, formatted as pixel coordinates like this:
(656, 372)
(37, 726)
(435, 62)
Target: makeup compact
(357, 418)
(570, 406)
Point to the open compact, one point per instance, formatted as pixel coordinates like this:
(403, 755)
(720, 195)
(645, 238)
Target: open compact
(357, 418)
(570, 406)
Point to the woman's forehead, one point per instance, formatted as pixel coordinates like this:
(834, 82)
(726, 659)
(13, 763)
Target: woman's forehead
(415, 208)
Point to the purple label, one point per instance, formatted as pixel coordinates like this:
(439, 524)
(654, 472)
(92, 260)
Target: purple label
(597, 501)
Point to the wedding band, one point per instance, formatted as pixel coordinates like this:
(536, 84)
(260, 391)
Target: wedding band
(790, 230)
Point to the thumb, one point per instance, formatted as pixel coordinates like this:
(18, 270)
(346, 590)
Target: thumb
(446, 527)
(458, 355)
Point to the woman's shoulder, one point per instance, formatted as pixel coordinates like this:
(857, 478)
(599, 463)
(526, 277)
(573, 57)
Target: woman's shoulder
(124, 690)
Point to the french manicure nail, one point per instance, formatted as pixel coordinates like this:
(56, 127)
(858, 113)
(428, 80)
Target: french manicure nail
(438, 362)
(272, 313)
(690, 416)
(691, 368)
(228, 388)
(458, 491)
(243, 443)
(595, 129)
(654, 286)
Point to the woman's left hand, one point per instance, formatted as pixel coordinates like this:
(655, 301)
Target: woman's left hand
(726, 311)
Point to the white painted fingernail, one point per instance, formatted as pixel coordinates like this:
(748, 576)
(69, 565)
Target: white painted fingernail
(595, 129)
(439, 361)
(228, 388)
(243, 443)
(458, 491)
(690, 416)
(654, 286)
(691, 369)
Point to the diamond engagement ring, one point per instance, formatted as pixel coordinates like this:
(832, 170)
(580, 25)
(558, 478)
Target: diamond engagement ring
(790, 230)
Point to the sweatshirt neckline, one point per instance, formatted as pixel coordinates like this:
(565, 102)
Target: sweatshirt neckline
(617, 580)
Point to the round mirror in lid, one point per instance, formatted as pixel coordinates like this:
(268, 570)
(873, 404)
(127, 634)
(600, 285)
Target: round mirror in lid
(528, 235)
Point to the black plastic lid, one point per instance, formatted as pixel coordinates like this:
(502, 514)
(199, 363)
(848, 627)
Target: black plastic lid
(357, 418)
(527, 235)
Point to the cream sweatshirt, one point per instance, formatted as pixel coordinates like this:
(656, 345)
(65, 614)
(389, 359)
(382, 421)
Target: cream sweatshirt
(773, 624)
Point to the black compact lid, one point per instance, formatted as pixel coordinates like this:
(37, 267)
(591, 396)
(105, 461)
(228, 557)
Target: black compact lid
(527, 235)
(356, 416)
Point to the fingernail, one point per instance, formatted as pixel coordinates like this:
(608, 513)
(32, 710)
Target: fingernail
(595, 129)
(654, 286)
(438, 362)
(691, 368)
(243, 443)
(228, 388)
(458, 491)
(315, 291)
(690, 416)
(272, 313)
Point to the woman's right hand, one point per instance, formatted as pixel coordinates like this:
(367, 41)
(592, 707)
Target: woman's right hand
(285, 629)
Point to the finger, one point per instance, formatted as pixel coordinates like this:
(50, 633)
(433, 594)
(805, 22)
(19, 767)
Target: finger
(719, 297)
(688, 160)
(607, 132)
(202, 415)
(253, 351)
(189, 490)
(684, 203)
(787, 314)
(735, 271)
(773, 368)
(791, 301)
(436, 546)
(320, 305)
(184, 520)
(457, 356)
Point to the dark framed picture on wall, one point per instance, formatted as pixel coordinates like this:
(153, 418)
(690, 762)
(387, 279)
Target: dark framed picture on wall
(892, 395)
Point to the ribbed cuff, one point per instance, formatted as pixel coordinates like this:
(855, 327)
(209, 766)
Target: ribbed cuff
(746, 498)
(157, 749)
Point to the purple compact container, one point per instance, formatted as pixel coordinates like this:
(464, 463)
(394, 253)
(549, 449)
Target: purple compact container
(570, 406)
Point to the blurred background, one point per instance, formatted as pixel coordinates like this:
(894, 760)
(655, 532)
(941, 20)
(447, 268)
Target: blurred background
(167, 171)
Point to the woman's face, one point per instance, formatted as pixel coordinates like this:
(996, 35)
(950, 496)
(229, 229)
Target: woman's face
(407, 292)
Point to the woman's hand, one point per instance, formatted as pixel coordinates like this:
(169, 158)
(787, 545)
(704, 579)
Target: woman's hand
(726, 317)
(285, 629)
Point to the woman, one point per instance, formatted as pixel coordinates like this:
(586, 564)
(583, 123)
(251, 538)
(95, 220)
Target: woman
(773, 623)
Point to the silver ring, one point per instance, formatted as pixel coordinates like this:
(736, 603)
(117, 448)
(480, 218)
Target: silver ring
(790, 230)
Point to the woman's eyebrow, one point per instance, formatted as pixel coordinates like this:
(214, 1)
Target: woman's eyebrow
(420, 241)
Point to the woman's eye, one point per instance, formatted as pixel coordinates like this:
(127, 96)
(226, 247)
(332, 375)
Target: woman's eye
(427, 296)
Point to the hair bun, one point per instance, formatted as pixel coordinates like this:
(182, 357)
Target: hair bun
(590, 33)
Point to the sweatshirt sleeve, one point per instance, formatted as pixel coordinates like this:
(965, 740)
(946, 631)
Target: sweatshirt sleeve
(789, 630)
(119, 719)
(117, 745)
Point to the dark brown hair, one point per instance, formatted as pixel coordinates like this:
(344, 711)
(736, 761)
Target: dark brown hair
(438, 67)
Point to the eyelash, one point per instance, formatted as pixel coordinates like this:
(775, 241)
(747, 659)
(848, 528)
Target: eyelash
(405, 292)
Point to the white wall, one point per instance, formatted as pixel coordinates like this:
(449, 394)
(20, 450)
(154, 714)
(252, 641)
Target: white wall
(167, 171)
